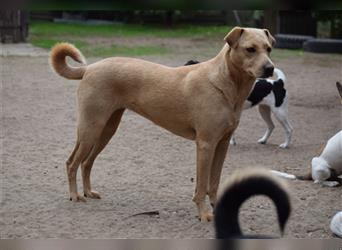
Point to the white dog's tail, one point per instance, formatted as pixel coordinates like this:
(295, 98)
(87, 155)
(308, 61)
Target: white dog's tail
(240, 187)
(279, 74)
(58, 63)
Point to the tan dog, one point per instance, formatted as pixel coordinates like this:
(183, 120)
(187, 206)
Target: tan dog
(199, 102)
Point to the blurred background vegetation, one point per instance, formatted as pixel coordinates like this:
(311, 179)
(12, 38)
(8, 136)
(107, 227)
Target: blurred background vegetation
(321, 23)
(129, 32)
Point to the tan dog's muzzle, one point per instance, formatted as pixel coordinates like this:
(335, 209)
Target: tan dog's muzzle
(267, 70)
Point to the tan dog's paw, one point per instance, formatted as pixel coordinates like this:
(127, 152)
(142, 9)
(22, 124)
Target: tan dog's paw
(207, 216)
(76, 197)
(92, 195)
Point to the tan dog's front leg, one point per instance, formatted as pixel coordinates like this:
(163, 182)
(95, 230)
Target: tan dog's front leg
(216, 169)
(205, 153)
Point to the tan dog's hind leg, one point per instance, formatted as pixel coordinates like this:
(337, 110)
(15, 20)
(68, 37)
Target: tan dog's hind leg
(71, 157)
(90, 127)
(216, 169)
(107, 133)
(205, 154)
(81, 153)
(70, 173)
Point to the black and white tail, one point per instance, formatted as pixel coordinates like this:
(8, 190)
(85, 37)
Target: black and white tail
(240, 187)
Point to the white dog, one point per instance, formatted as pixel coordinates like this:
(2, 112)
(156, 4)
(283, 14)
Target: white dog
(270, 96)
(336, 224)
(329, 163)
(328, 167)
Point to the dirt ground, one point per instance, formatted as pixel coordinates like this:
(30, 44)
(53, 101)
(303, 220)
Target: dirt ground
(145, 168)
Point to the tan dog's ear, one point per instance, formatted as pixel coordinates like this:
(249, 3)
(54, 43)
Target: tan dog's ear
(270, 37)
(233, 36)
(339, 87)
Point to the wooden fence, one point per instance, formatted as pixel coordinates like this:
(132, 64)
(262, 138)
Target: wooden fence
(13, 26)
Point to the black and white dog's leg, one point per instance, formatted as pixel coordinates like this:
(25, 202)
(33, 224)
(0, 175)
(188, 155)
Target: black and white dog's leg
(265, 113)
(281, 115)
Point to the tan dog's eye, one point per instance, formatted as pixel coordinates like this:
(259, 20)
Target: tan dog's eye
(269, 49)
(251, 50)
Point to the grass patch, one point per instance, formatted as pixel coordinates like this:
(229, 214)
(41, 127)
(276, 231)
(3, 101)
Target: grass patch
(287, 53)
(48, 43)
(46, 34)
(77, 29)
(104, 51)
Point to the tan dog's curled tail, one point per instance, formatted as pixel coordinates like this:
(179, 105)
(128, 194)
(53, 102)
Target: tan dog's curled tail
(58, 61)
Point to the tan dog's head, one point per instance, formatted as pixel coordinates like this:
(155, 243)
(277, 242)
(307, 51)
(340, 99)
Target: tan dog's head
(249, 49)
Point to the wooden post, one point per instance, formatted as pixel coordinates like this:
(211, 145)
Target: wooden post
(13, 26)
(271, 21)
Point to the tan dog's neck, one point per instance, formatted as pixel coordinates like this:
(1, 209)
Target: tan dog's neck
(240, 82)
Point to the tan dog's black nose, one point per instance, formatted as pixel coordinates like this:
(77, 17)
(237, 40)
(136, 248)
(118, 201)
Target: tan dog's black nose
(268, 70)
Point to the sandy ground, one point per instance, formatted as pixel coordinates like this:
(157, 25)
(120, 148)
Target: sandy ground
(145, 168)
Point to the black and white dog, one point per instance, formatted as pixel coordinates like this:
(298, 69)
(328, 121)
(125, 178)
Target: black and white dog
(270, 96)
